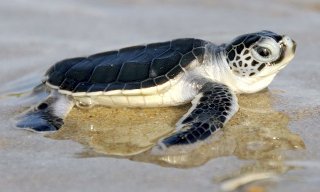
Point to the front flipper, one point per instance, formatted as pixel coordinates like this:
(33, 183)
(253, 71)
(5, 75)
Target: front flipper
(211, 109)
(47, 115)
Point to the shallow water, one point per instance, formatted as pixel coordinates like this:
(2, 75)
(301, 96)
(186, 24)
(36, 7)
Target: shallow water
(270, 145)
(256, 132)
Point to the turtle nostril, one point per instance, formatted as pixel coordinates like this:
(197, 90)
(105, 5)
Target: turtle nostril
(43, 106)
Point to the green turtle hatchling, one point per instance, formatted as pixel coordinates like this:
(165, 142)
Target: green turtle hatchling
(162, 74)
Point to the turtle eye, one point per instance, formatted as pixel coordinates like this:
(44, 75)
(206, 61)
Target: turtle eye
(263, 52)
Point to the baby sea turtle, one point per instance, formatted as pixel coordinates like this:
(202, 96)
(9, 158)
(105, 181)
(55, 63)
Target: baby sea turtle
(162, 74)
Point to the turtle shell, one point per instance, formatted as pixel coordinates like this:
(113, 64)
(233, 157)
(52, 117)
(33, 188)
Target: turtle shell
(129, 68)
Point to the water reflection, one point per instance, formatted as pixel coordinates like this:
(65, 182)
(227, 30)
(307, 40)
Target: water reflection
(257, 132)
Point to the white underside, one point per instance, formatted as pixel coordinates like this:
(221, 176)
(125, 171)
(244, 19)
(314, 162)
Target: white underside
(175, 92)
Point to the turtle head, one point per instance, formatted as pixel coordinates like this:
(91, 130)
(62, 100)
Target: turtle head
(259, 55)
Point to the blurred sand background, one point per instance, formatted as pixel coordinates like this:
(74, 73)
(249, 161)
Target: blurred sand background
(276, 131)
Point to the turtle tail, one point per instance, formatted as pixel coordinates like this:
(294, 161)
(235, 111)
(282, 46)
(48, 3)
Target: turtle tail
(47, 115)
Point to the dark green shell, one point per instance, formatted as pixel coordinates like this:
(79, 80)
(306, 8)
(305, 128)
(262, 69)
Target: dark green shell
(128, 68)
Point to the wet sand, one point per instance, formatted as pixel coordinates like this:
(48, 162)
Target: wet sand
(274, 138)
(257, 132)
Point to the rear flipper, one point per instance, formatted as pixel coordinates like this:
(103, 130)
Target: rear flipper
(47, 115)
(211, 109)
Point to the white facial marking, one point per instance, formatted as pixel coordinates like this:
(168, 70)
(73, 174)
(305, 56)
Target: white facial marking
(254, 59)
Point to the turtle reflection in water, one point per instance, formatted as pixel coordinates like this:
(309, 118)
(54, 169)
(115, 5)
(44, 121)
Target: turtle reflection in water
(257, 132)
(165, 74)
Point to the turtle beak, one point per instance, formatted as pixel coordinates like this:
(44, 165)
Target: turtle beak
(289, 43)
(294, 46)
(289, 48)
